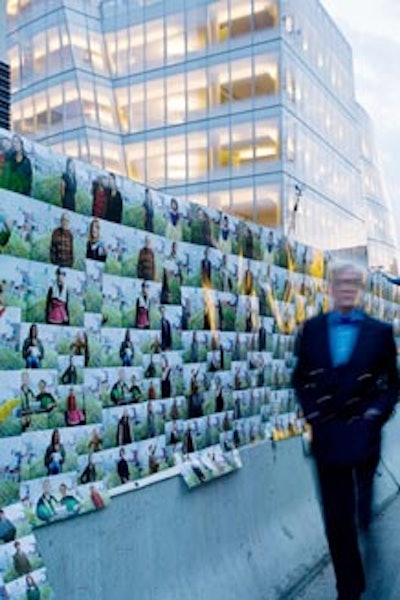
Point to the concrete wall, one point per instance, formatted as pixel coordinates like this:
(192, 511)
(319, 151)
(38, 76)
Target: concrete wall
(250, 535)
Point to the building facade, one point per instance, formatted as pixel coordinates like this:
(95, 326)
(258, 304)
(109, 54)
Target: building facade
(245, 105)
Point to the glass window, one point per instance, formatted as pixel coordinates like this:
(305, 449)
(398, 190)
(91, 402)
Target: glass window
(176, 99)
(196, 29)
(197, 155)
(154, 43)
(175, 37)
(177, 159)
(196, 93)
(267, 205)
(155, 104)
(156, 162)
(266, 78)
(136, 162)
(243, 202)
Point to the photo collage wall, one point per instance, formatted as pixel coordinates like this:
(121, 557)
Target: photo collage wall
(138, 330)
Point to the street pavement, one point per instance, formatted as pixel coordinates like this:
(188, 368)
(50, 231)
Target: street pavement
(381, 552)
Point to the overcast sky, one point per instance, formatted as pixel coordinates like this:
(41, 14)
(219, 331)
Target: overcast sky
(372, 29)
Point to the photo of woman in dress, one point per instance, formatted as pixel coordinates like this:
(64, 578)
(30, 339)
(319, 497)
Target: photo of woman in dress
(74, 415)
(55, 454)
(95, 248)
(57, 300)
(126, 350)
(32, 589)
(32, 349)
(114, 202)
(143, 308)
(174, 224)
(165, 378)
(68, 186)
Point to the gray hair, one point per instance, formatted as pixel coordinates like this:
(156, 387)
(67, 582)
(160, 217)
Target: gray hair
(338, 267)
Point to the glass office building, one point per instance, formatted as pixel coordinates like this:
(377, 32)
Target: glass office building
(245, 105)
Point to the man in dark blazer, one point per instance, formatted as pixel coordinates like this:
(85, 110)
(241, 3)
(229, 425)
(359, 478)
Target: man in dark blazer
(346, 381)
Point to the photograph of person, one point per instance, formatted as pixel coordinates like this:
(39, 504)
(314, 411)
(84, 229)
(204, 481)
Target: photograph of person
(89, 472)
(119, 393)
(37, 398)
(146, 266)
(201, 227)
(57, 310)
(20, 173)
(21, 562)
(5, 161)
(143, 308)
(62, 244)
(95, 248)
(148, 210)
(114, 203)
(45, 400)
(19, 558)
(69, 373)
(68, 185)
(8, 530)
(124, 431)
(174, 431)
(173, 229)
(73, 415)
(127, 350)
(33, 586)
(32, 349)
(14, 523)
(55, 454)
(225, 234)
(123, 467)
(80, 346)
(100, 192)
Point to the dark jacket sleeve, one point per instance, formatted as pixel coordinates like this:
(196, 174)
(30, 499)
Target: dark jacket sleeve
(303, 386)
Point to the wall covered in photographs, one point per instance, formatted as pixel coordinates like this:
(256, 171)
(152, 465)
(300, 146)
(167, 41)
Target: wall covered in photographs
(137, 329)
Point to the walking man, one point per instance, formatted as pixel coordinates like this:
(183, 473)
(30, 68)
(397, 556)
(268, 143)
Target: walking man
(346, 381)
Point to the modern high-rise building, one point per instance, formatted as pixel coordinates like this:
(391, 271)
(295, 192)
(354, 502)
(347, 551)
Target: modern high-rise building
(244, 105)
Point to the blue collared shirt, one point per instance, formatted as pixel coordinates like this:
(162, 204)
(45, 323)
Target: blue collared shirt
(343, 331)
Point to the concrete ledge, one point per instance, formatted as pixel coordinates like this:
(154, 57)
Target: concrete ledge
(253, 534)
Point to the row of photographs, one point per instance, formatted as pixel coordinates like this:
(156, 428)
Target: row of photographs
(45, 176)
(199, 419)
(94, 453)
(27, 302)
(68, 240)
(35, 399)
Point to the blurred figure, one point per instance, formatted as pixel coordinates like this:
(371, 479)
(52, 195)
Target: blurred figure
(347, 384)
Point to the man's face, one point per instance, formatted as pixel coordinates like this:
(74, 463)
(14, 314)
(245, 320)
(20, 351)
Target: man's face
(64, 222)
(346, 289)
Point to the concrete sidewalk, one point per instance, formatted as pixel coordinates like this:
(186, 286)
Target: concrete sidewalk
(381, 551)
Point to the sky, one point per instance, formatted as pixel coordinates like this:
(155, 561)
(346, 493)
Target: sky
(372, 29)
